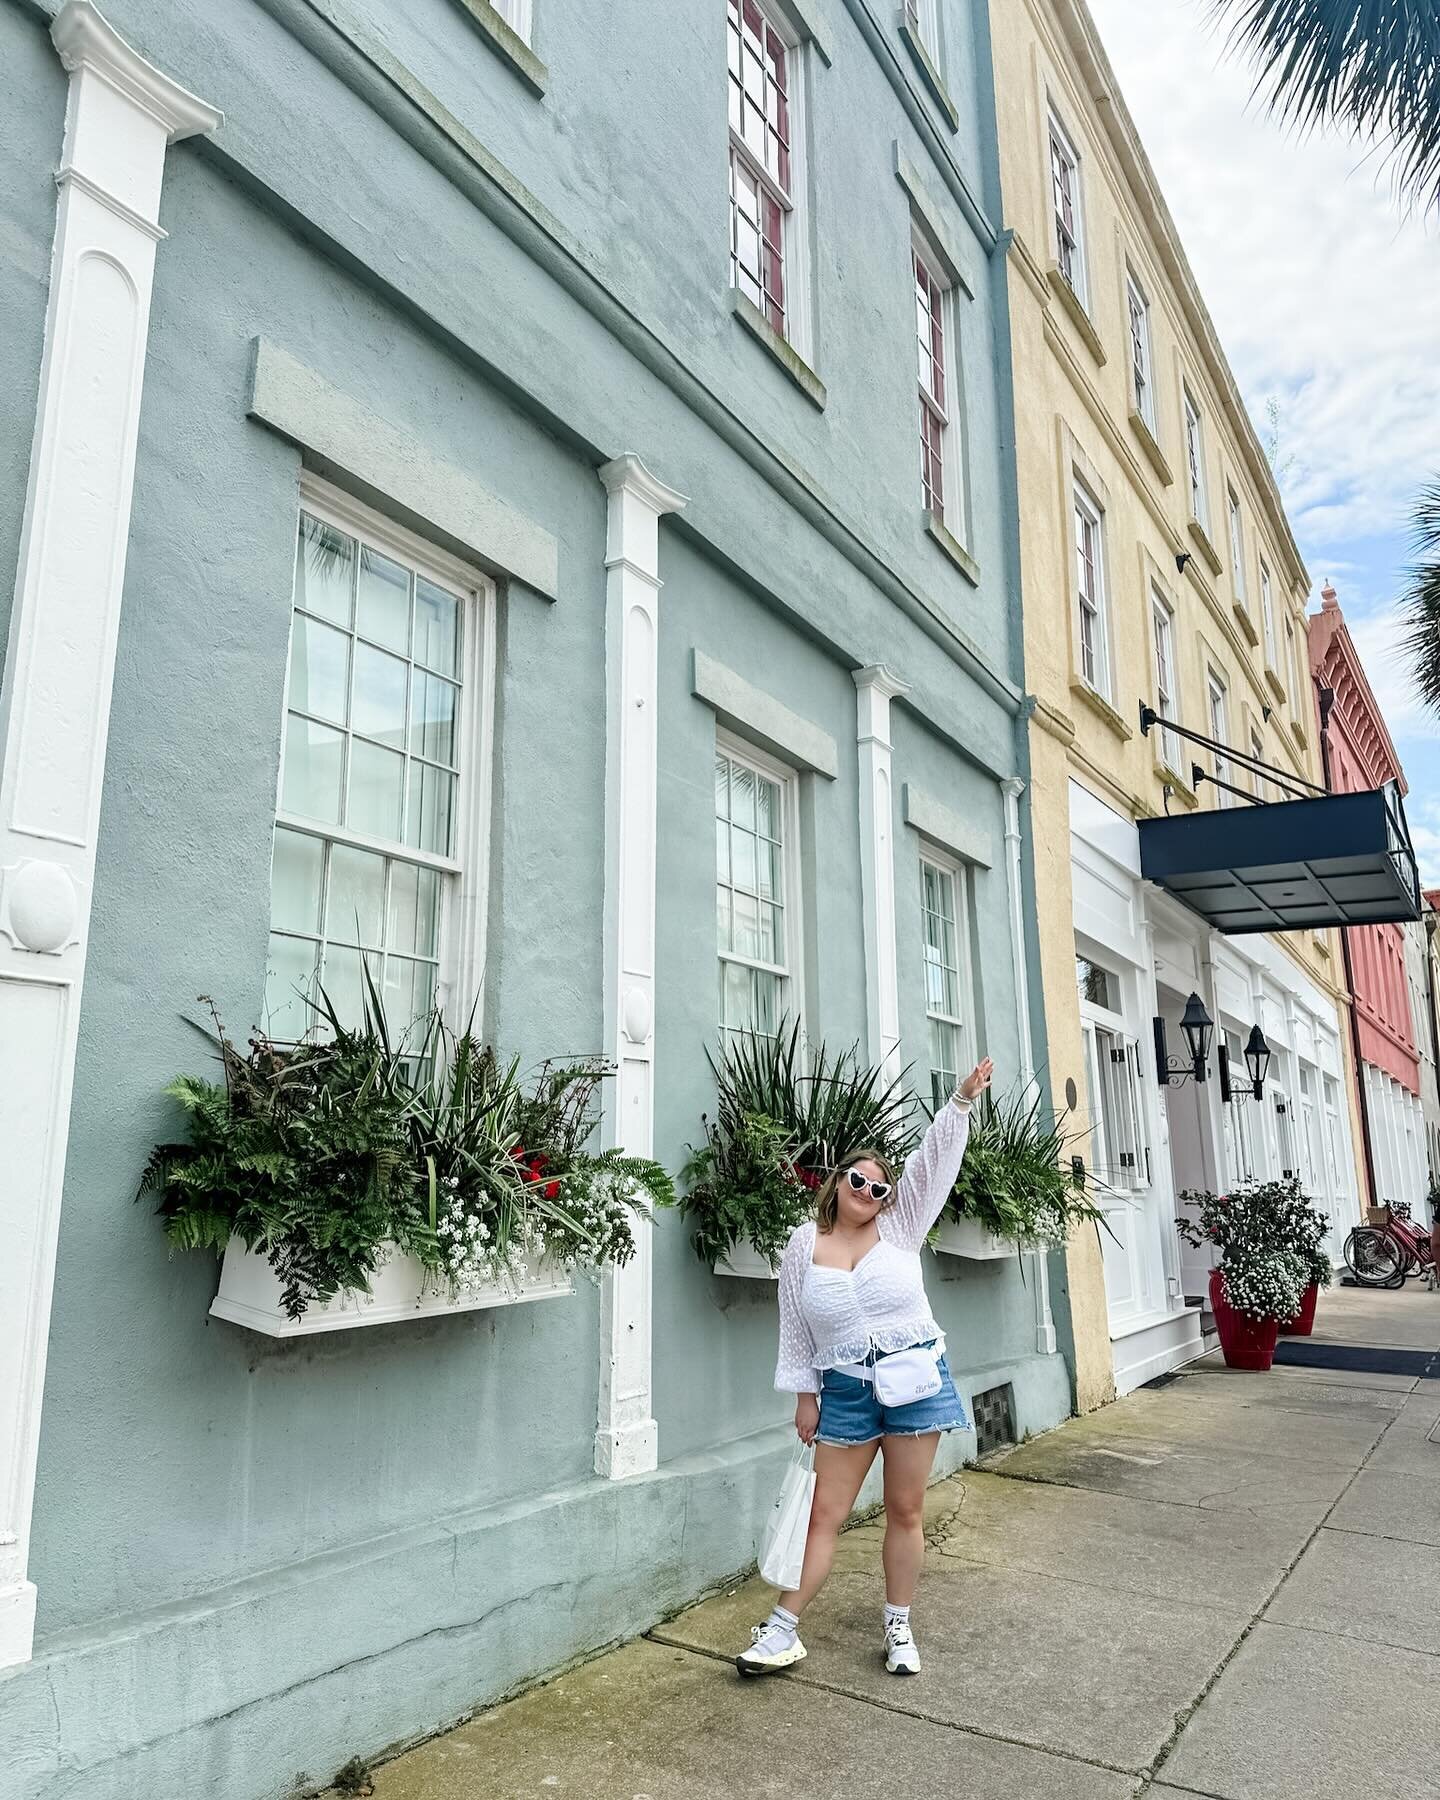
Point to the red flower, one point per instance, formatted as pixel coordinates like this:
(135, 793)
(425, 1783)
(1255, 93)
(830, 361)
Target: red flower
(552, 1191)
(519, 1153)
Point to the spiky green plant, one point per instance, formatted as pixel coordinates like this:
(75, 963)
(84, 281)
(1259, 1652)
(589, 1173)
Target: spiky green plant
(1420, 602)
(1371, 67)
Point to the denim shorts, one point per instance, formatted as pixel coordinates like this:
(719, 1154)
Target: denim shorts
(850, 1413)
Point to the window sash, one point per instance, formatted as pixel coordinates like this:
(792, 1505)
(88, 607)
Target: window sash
(345, 894)
(944, 912)
(516, 14)
(931, 329)
(1267, 611)
(1237, 545)
(1090, 593)
(1065, 208)
(1220, 731)
(1141, 389)
(924, 21)
(756, 888)
(1164, 626)
(763, 155)
(1195, 459)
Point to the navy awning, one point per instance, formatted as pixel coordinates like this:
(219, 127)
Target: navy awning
(1294, 865)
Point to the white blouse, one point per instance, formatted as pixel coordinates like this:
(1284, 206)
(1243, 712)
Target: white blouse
(829, 1317)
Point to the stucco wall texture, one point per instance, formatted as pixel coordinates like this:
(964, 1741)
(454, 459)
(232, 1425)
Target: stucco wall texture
(257, 1558)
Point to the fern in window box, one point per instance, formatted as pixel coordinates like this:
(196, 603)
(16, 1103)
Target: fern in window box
(782, 1121)
(1013, 1181)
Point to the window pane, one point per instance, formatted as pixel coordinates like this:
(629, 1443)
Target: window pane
(378, 709)
(437, 628)
(314, 759)
(414, 909)
(289, 978)
(432, 719)
(355, 907)
(324, 570)
(296, 866)
(747, 925)
(430, 822)
(722, 851)
(319, 669)
(723, 927)
(1096, 984)
(722, 787)
(383, 608)
(409, 997)
(768, 871)
(742, 797)
(344, 987)
(767, 808)
(742, 852)
(377, 789)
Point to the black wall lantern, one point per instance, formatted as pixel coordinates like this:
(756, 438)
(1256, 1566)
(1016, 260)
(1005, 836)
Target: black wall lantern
(1196, 1027)
(1257, 1061)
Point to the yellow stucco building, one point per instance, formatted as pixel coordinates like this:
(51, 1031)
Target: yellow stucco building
(1158, 569)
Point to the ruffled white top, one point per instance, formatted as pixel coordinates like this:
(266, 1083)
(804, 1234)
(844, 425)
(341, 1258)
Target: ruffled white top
(829, 1317)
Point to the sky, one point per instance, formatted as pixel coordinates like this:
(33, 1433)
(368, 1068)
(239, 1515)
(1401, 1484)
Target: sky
(1325, 290)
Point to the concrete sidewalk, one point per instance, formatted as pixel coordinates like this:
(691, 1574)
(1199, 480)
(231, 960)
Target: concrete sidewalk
(1226, 1585)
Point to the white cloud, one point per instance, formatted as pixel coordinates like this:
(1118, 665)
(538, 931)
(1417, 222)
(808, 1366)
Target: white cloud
(1324, 294)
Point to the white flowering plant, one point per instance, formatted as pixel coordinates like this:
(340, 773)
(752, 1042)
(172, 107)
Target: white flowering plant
(1269, 1235)
(510, 1185)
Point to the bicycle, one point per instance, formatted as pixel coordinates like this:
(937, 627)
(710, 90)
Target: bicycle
(1386, 1255)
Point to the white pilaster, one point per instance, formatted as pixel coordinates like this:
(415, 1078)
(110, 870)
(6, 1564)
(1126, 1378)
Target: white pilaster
(55, 703)
(1012, 788)
(875, 688)
(626, 1440)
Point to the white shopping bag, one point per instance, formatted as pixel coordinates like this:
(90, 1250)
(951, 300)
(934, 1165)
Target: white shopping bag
(782, 1554)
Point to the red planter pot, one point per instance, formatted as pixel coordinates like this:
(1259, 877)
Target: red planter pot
(1247, 1343)
(1304, 1321)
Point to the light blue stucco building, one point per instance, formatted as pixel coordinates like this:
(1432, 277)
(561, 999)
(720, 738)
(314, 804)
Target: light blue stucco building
(597, 330)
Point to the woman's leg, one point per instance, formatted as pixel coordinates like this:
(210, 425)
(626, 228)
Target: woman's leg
(908, 1461)
(839, 1471)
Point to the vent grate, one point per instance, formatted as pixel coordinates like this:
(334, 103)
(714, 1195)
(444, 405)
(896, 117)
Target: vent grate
(994, 1419)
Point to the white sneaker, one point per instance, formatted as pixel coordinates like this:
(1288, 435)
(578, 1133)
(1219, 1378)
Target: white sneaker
(772, 1647)
(901, 1656)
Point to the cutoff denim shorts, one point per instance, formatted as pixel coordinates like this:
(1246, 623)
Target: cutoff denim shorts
(851, 1414)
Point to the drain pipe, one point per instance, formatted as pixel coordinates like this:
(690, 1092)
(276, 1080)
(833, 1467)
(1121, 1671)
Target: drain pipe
(1012, 788)
(1327, 706)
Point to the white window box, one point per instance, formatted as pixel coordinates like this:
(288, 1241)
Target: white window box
(747, 1262)
(968, 1238)
(250, 1295)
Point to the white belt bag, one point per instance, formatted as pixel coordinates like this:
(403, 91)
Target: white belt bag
(904, 1376)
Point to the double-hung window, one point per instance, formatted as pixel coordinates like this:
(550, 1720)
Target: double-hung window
(922, 16)
(382, 691)
(1092, 613)
(944, 911)
(1195, 463)
(1292, 674)
(1220, 732)
(1163, 623)
(1142, 386)
(1237, 543)
(1267, 615)
(941, 487)
(755, 890)
(764, 236)
(1067, 220)
(1257, 755)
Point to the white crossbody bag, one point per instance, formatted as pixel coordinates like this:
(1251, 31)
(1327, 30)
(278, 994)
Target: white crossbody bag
(906, 1376)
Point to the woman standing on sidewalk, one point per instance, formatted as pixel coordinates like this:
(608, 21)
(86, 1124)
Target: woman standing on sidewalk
(852, 1292)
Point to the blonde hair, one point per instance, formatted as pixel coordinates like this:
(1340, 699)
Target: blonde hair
(827, 1205)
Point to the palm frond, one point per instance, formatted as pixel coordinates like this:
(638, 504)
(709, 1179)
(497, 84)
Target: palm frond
(1420, 602)
(1369, 66)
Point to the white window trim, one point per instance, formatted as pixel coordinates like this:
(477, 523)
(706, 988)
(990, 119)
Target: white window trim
(1267, 618)
(1081, 498)
(1135, 288)
(517, 14)
(1235, 524)
(924, 19)
(795, 226)
(1216, 687)
(792, 996)
(959, 874)
(1197, 483)
(465, 912)
(1055, 129)
(1162, 610)
(956, 516)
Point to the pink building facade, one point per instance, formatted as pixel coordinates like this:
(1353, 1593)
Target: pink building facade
(1360, 755)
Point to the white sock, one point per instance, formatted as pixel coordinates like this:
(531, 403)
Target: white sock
(785, 1622)
(896, 1615)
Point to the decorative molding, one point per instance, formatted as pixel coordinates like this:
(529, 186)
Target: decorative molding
(121, 115)
(763, 719)
(929, 74)
(875, 688)
(941, 237)
(1052, 721)
(1241, 609)
(301, 406)
(934, 820)
(939, 533)
(507, 44)
(1102, 709)
(626, 1435)
(780, 348)
(1072, 305)
(803, 18)
(1200, 537)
